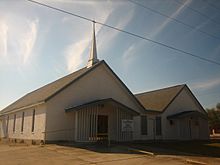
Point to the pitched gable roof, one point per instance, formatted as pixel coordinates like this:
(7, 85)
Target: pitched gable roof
(47, 91)
(159, 99)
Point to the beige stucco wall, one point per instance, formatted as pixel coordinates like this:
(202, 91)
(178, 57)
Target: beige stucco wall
(183, 102)
(97, 84)
(27, 133)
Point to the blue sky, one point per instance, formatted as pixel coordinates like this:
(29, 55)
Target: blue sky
(39, 45)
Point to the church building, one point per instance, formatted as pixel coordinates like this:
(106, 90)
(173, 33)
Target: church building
(93, 104)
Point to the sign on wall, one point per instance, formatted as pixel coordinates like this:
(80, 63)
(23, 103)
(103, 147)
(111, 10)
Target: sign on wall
(127, 125)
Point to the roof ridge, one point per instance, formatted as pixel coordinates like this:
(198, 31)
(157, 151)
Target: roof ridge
(164, 88)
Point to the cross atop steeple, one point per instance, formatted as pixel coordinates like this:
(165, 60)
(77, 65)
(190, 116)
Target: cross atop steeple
(93, 52)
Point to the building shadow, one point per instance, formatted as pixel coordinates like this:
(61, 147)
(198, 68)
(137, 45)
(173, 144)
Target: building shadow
(102, 147)
(209, 148)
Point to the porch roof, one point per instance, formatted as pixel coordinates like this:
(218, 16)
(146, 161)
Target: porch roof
(101, 101)
(187, 114)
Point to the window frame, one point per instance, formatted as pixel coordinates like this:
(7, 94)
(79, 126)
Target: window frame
(7, 126)
(158, 126)
(22, 122)
(14, 124)
(33, 121)
(144, 125)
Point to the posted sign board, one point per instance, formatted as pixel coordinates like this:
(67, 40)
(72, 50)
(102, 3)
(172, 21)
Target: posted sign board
(127, 125)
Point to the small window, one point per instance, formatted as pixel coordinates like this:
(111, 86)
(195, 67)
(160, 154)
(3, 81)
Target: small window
(22, 122)
(14, 123)
(7, 124)
(158, 126)
(33, 121)
(171, 122)
(144, 125)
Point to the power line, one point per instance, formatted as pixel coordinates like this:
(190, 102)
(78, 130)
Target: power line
(173, 19)
(129, 33)
(198, 12)
(212, 5)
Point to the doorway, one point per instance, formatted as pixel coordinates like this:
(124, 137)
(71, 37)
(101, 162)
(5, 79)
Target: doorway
(102, 127)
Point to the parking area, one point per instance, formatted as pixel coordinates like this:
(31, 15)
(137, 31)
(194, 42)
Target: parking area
(92, 154)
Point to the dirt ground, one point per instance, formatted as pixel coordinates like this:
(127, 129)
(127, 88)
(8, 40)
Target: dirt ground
(66, 155)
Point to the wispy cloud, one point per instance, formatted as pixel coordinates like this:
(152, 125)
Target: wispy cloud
(3, 38)
(17, 42)
(107, 37)
(74, 55)
(129, 53)
(208, 84)
(160, 28)
(28, 40)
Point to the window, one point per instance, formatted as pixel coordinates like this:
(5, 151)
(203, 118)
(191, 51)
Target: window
(33, 121)
(22, 122)
(14, 123)
(7, 124)
(158, 126)
(143, 125)
(171, 122)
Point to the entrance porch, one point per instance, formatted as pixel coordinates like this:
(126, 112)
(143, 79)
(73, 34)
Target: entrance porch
(103, 120)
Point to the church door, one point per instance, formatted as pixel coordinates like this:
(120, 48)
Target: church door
(102, 127)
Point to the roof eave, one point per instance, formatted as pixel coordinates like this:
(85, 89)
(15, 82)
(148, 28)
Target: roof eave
(102, 101)
(21, 108)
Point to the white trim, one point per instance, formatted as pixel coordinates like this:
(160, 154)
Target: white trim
(19, 109)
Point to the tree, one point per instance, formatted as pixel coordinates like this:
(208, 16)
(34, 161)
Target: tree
(218, 106)
(214, 117)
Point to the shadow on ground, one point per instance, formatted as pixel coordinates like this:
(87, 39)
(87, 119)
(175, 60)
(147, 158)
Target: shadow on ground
(182, 148)
(102, 147)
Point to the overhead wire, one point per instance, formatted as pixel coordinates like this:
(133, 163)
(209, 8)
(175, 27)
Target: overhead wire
(127, 32)
(198, 12)
(211, 4)
(173, 19)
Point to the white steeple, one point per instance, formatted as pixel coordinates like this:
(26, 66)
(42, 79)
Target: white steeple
(93, 52)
